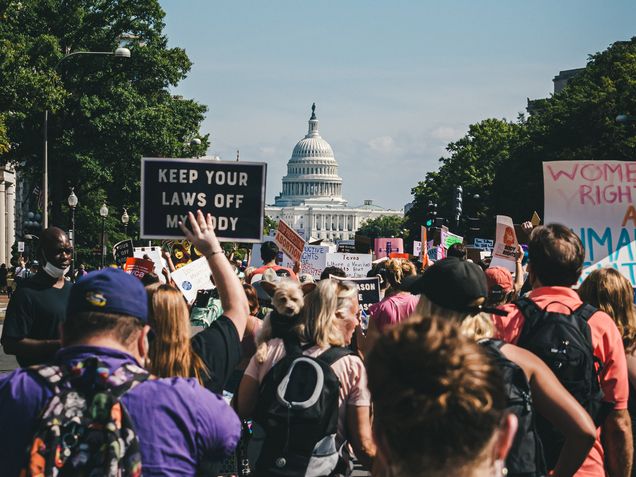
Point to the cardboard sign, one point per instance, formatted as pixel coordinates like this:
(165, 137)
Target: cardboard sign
(535, 220)
(506, 245)
(383, 247)
(138, 267)
(368, 290)
(193, 277)
(314, 260)
(354, 264)
(233, 192)
(154, 255)
(597, 200)
(289, 241)
(123, 250)
(484, 244)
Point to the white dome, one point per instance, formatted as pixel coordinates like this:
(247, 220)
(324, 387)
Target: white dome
(312, 146)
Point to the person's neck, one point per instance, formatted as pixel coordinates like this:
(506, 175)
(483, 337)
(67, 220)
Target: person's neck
(105, 342)
(55, 282)
(271, 263)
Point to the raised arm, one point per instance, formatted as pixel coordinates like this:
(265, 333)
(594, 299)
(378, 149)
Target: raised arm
(559, 407)
(231, 293)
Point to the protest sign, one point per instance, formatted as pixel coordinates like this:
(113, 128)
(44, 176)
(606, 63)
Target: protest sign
(363, 244)
(138, 267)
(193, 277)
(484, 244)
(383, 247)
(346, 246)
(417, 248)
(425, 245)
(448, 238)
(20, 247)
(289, 241)
(506, 245)
(123, 250)
(535, 220)
(153, 254)
(368, 289)
(232, 192)
(354, 264)
(403, 256)
(314, 260)
(596, 199)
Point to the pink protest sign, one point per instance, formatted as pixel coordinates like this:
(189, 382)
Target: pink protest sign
(596, 199)
(383, 247)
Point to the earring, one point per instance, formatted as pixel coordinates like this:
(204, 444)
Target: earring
(500, 468)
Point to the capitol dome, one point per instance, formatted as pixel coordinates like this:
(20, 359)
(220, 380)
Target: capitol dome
(312, 172)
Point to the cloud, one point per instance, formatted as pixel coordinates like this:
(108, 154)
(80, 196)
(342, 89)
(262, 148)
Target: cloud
(447, 133)
(384, 145)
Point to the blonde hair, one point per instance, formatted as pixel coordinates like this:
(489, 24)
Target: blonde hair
(477, 327)
(317, 323)
(171, 352)
(611, 292)
(397, 269)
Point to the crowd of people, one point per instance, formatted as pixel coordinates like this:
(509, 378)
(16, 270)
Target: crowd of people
(462, 370)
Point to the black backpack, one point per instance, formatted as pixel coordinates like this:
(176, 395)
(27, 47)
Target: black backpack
(564, 343)
(84, 429)
(298, 409)
(526, 456)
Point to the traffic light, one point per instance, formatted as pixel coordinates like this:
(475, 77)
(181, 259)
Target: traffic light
(474, 226)
(431, 213)
(458, 202)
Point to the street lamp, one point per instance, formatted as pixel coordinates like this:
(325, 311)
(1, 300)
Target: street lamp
(125, 218)
(103, 212)
(72, 203)
(118, 53)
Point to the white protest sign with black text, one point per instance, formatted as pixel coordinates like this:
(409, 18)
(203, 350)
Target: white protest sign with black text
(232, 192)
(506, 246)
(368, 290)
(354, 264)
(154, 254)
(193, 277)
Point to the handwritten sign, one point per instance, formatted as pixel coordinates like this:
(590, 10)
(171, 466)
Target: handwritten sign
(193, 277)
(233, 192)
(368, 290)
(506, 245)
(138, 267)
(597, 200)
(484, 244)
(289, 241)
(383, 247)
(354, 264)
(123, 250)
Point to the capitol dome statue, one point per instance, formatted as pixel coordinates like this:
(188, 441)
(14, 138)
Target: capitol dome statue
(312, 172)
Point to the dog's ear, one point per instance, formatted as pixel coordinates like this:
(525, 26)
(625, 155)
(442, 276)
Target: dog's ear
(307, 288)
(269, 287)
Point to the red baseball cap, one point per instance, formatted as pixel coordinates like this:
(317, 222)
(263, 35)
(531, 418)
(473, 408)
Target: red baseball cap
(499, 276)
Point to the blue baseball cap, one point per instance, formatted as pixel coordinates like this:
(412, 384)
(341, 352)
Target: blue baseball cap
(109, 290)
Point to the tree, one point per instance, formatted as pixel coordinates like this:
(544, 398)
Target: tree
(577, 123)
(105, 113)
(383, 226)
(270, 225)
(473, 162)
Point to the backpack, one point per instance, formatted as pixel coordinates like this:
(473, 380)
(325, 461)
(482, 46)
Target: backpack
(564, 343)
(526, 456)
(84, 429)
(298, 409)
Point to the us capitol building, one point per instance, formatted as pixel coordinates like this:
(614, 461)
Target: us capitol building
(311, 200)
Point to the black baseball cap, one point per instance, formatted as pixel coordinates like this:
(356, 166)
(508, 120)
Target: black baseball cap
(454, 284)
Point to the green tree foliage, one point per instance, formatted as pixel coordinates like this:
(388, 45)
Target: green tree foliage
(473, 162)
(383, 226)
(269, 225)
(105, 113)
(577, 123)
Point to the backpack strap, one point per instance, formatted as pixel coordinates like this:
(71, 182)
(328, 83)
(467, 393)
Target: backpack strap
(529, 309)
(333, 354)
(585, 311)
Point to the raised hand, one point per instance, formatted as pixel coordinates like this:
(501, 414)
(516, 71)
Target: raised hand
(202, 235)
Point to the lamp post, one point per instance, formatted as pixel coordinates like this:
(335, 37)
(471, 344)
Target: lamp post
(125, 218)
(103, 212)
(118, 53)
(72, 203)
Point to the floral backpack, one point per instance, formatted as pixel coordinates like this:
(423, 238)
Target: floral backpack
(84, 430)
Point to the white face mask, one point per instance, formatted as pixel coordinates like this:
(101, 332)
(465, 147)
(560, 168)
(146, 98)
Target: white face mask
(54, 271)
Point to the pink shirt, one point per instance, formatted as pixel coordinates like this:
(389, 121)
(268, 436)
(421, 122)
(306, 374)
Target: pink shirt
(350, 370)
(393, 309)
(607, 344)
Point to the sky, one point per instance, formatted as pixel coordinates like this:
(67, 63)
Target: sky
(393, 81)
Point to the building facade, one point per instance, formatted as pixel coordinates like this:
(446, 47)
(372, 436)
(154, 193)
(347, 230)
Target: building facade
(7, 212)
(311, 198)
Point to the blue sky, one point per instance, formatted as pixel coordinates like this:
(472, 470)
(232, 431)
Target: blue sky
(394, 81)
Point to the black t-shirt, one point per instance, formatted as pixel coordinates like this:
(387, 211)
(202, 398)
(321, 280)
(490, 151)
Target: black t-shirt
(36, 310)
(220, 349)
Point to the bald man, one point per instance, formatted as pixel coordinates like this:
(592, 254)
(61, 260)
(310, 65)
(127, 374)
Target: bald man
(38, 306)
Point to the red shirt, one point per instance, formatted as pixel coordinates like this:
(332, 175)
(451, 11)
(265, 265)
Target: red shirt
(606, 342)
(261, 270)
